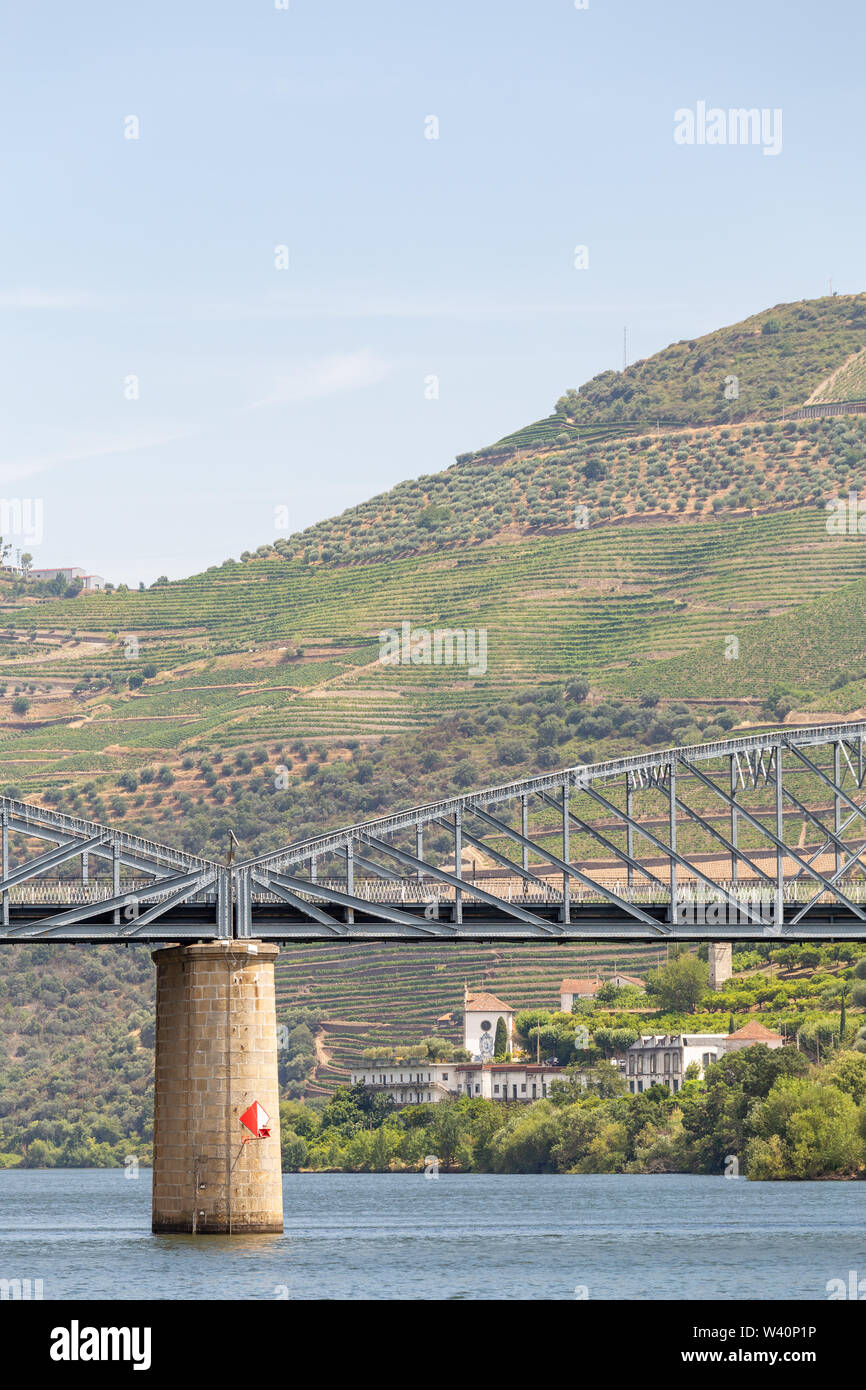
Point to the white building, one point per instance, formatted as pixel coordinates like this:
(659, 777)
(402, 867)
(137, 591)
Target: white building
(627, 981)
(481, 1013)
(69, 572)
(526, 1081)
(751, 1033)
(91, 583)
(412, 1083)
(570, 990)
(409, 1083)
(663, 1059)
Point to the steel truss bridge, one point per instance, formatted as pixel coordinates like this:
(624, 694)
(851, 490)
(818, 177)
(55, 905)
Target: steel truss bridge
(736, 840)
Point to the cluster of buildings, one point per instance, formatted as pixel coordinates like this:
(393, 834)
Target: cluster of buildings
(410, 1083)
(652, 1060)
(90, 583)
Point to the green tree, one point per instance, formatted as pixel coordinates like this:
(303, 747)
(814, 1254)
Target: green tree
(605, 1080)
(446, 1132)
(294, 1151)
(500, 1045)
(591, 1139)
(612, 1040)
(680, 985)
(719, 1122)
(577, 689)
(525, 1143)
(804, 1130)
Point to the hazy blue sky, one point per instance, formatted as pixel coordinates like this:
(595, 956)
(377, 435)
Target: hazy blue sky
(408, 257)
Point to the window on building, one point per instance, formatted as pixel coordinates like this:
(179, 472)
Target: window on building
(496, 1089)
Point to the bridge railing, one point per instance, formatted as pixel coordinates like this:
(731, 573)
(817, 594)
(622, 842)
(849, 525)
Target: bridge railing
(411, 892)
(50, 891)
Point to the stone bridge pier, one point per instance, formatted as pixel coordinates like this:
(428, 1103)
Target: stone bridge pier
(216, 1054)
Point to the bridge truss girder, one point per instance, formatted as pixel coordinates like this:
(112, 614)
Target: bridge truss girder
(759, 885)
(677, 829)
(171, 895)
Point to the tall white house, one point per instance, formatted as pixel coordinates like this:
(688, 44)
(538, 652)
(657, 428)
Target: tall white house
(481, 1013)
(662, 1060)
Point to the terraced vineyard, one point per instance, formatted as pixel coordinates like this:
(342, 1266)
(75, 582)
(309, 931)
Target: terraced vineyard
(847, 383)
(381, 996)
(660, 539)
(652, 614)
(603, 480)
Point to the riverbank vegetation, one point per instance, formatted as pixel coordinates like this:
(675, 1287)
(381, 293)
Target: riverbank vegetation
(760, 1113)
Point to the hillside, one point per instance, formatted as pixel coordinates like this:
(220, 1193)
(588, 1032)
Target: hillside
(665, 438)
(846, 383)
(777, 357)
(213, 723)
(679, 475)
(626, 541)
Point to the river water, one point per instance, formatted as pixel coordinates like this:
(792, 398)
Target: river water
(86, 1234)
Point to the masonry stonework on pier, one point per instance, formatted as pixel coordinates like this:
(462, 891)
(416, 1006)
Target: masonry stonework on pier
(216, 1054)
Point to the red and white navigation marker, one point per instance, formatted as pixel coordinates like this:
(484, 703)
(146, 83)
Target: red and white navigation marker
(257, 1120)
